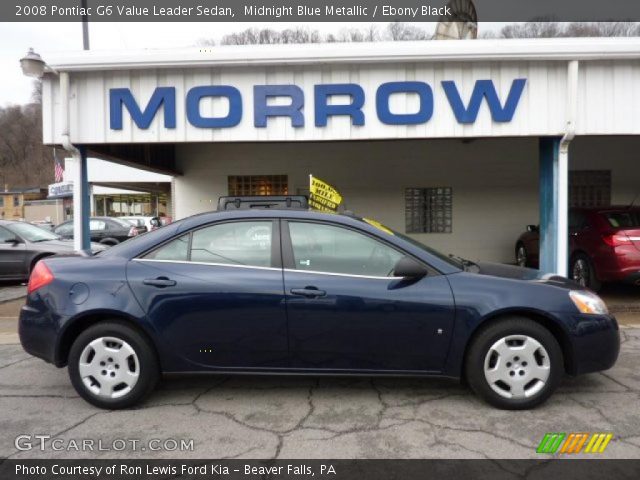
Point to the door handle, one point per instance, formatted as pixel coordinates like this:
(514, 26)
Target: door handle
(159, 282)
(309, 292)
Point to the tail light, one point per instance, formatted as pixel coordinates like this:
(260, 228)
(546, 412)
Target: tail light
(40, 276)
(617, 239)
(133, 232)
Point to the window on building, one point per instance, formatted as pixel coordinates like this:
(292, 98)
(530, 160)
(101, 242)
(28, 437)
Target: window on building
(1, 202)
(16, 201)
(590, 188)
(250, 185)
(428, 210)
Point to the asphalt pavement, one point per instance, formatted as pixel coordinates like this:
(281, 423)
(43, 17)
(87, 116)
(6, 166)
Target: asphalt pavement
(300, 417)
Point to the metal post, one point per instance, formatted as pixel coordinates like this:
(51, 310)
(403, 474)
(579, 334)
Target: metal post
(554, 186)
(549, 148)
(85, 27)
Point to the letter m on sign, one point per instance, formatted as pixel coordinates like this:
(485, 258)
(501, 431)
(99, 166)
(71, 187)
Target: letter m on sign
(162, 96)
(484, 89)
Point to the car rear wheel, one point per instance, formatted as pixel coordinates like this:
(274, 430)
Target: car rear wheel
(521, 256)
(514, 364)
(583, 273)
(112, 366)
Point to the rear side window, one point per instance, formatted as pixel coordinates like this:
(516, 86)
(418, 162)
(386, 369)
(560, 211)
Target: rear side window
(235, 243)
(176, 250)
(629, 219)
(332, 249)
(64, 229)
(97, 225)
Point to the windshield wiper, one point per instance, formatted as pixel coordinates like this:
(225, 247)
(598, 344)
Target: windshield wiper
(463, 261)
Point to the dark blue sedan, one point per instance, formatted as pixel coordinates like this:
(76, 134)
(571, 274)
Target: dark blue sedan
(293, 291)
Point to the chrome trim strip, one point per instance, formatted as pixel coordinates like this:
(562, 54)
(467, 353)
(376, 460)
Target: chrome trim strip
(153, 260)
(290, 270)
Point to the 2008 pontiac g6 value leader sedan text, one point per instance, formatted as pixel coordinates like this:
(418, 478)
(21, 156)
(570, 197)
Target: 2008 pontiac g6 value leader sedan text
(293, 291)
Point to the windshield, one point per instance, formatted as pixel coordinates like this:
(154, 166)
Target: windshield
(31, 232)
(415, 243)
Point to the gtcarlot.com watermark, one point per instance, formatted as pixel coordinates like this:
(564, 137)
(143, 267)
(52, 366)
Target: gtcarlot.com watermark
(45, 443)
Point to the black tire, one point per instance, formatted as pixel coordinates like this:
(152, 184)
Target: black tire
(110, 242)
(514, 327)
(582, 271)
(521, 253)
(147, 364)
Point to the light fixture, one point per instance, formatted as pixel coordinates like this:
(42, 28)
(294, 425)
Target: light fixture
(33, 66)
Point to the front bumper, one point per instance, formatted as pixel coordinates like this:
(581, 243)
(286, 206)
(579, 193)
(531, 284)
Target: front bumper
(595, 343)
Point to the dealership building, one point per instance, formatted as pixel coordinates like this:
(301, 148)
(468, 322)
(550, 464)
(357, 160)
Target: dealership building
(459, 144)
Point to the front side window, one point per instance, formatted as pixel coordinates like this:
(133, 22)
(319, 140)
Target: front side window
(332, 249)
(234, 243)
(5, 235)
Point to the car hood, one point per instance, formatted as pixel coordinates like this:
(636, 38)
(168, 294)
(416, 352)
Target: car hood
(527, 274)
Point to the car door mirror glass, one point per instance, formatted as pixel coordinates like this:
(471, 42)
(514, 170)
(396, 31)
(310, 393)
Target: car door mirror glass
(407, 267)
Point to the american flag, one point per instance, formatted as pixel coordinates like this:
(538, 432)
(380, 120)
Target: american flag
(58, 167)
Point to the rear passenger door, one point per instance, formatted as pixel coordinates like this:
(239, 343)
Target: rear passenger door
(216, 296)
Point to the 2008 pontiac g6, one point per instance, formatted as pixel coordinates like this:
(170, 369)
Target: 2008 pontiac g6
(290, 292)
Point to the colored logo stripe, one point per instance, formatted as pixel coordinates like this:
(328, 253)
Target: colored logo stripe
(598, 442)
(573, 443)
(550, 442)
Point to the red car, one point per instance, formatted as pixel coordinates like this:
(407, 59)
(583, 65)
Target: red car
(604, 246)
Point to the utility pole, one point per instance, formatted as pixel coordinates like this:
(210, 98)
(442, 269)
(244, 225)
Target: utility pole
(85, 26)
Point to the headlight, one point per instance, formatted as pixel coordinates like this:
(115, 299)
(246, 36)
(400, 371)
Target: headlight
(588, 302)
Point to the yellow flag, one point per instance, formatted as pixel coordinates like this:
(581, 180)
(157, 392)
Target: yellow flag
(322, 196)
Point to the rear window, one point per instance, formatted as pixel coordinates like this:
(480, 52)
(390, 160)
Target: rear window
(629, 219)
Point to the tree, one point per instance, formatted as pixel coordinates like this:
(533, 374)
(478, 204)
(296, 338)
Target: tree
(399, 31)
(543, 28)
(24, 160)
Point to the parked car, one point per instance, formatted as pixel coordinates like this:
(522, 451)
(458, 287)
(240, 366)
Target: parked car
(140, 221)
(48, 226)
(104, 230)
(23, 244)
(604, 246)
(293, 291)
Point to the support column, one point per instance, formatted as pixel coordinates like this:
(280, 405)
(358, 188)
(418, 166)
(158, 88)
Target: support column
(554, 212)
(81, 204)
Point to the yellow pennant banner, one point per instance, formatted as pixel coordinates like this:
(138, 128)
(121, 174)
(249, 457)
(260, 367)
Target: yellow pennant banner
(322, 196)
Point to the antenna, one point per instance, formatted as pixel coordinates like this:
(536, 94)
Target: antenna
(461, 24)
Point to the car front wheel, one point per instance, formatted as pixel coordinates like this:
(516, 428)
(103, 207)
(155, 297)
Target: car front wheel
(521, 256)
(583, 273)
(111, 365)
(514, 364)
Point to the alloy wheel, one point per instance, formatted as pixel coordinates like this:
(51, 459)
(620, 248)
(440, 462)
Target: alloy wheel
(517, 367)
(109, 367)
(580, 272)
(521, 257)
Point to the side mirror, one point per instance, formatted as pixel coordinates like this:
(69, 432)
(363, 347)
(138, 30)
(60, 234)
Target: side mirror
(13, 241)
(532, 228)
(155, 222)
(407, 267)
